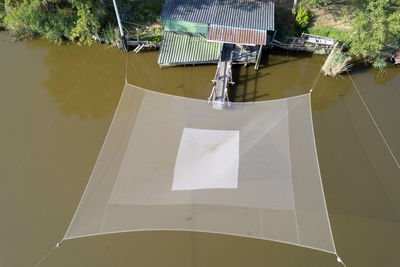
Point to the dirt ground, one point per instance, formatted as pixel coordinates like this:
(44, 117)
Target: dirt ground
(332, 16)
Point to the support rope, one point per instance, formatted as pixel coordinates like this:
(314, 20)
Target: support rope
(315, 81)
(326, 208)
(48, 253)
(340, 260)
(375, 123)
(126, 67)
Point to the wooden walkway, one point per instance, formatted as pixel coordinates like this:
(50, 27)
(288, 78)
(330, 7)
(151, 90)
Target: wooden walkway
(306, 43)
(223, 77)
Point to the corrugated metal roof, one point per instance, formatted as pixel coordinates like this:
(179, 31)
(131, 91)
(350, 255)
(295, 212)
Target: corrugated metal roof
(248, 14)
(183, 48)
(237, 35)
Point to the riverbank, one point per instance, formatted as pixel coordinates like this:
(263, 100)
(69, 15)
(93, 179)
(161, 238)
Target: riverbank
(350, 23)
(89, 21)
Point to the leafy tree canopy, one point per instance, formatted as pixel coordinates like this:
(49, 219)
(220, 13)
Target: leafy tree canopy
(376, 30)
(53, 19)
(2, 13)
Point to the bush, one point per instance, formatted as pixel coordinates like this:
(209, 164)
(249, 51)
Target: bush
(336, 63)
(140, 11)
(303, 17)
(380, 63)
(21, 17)
(340, 35)
(52, 19)
(86, 25)
(310, 4)
(376, 31)
(109, 34)
(2, 13)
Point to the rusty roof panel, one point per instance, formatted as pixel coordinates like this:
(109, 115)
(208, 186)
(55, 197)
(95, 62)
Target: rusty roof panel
(237, 35)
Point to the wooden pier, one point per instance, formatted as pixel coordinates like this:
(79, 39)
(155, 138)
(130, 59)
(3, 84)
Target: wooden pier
(139, 45)
(223, 77)
(306, 43)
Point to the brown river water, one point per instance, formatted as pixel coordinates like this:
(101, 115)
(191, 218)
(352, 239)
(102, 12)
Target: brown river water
(57, 102)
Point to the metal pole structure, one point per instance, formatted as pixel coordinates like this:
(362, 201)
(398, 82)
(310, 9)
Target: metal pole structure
(124, 44)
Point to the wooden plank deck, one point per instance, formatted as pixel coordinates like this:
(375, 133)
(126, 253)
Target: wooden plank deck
(223, 76)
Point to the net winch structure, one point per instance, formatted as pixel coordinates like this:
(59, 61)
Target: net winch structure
(174, 163)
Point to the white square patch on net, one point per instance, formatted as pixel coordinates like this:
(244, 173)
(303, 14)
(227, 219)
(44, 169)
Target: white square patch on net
(207, 159)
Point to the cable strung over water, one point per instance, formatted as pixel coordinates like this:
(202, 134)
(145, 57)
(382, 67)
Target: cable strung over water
(375, 123)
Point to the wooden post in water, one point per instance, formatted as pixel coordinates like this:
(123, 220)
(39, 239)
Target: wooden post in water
(123, 39)
(258, 58)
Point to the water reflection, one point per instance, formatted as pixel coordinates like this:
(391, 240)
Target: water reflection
(84, 81)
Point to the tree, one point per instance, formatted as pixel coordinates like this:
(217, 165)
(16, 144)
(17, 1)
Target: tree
(376, 31)
(53, 19)
(86, 25)
(2, 13)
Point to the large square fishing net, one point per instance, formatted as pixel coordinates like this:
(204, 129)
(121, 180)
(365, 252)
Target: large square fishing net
(174, 163)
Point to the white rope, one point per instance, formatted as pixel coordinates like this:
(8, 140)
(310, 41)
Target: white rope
(375, 123)
(340, 260)
(315, 82)
(126, 67)
(48, 253)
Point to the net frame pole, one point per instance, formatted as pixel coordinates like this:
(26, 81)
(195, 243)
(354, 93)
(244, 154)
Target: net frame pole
(124, 43)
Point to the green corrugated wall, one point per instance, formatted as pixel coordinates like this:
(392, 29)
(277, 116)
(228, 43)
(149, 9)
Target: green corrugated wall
(184, 48)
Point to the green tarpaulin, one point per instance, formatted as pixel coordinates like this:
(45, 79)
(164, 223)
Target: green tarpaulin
(185, 27)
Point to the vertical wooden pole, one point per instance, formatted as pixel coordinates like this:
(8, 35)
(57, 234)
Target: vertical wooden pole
(124, 44)
(258, 58)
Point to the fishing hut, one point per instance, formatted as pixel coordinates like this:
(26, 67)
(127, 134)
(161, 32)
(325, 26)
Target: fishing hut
(222, 32)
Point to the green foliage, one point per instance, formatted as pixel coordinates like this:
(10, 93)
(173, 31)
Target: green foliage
(303, 17)
(77, 20)
(140, 11)
(20, 17)
(380, 63)
(336, 63)
(2, 13)
(52, 19)
(376, 31)
(310, 4)
(337, 34)
(109, 34)
(86, 25)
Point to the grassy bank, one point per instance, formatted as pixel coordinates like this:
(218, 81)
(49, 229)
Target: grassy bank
(368, 30)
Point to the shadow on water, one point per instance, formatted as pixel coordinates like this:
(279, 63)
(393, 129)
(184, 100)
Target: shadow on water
(86, 84)
(272, 80)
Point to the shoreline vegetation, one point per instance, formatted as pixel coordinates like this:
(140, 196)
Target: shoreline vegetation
(81, 21)
(366, 30)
